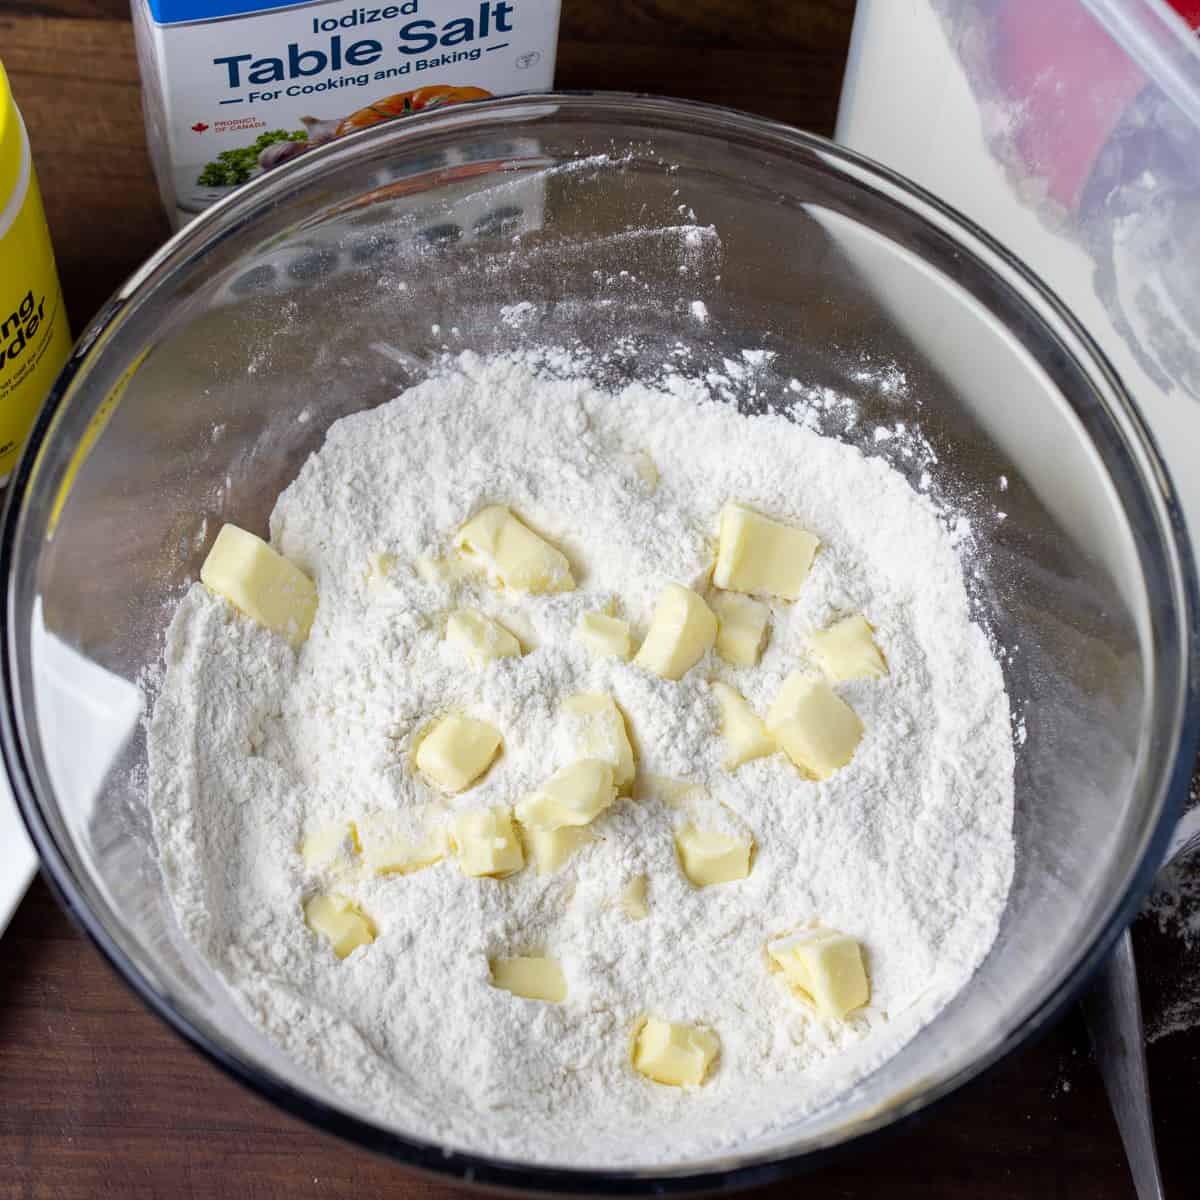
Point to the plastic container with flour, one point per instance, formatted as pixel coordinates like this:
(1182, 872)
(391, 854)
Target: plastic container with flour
(34, 338)
(1070, 131)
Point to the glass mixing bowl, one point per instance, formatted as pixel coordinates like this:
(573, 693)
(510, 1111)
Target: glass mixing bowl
(652, 233)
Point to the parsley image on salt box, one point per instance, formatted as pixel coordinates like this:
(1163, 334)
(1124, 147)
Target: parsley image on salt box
(232, 89)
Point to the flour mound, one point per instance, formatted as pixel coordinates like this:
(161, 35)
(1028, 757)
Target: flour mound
(908, 849)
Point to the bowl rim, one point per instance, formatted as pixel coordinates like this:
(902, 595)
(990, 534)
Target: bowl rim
(508, 1174)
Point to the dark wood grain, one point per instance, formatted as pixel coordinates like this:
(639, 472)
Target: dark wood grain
(76, 81)
(97, 1097)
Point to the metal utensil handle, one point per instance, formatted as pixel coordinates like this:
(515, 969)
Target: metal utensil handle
(1186, 837)
(1113, 1011)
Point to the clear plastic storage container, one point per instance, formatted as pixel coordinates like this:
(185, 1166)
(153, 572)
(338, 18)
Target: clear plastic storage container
(1070, 131)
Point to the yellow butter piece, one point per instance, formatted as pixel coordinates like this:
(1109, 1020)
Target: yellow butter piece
(403, 842)
(429, 569)
(633, 899)
(741, 627)
(261, 583)
(599, 732)
(456, 750)
(646, 469)
(674, 1054)
(487, 844)
(340, 921)
(682, 631)
(697, 808)
(823, 967)
(847, 650)
(673, 793)
(708, 857)
(531, 978)
(438, 572)
(550, 849)
(512, 554)
(330, 845)
(745, 734)
(576, 795)
(605, 636)
(480, 639)
(381, 563)
(759, 555)
(813, 725)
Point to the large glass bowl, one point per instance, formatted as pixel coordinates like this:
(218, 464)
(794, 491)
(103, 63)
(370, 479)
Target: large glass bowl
(332, 284)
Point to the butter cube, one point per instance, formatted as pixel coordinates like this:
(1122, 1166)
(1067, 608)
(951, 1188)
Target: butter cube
(379, 566)
(682, 632)
(429, 569)
(677, 1055)
(847, 650)
(457, 750)
(646, 469)
(437, 572)
(633, 899)
(329, 846)
(708, 857)
(825, 968)
(530, 978)
(745, 735)
(671, 793)
(695, 806)
(599, 732)
(605, 636)
(756, 554)
(813, 725)
(550, 849)
(741, 627)
(512, 554)
(487, 843)
(576, 795)
(340, 921)
(261, 583)
(479, 639)
(400, 843)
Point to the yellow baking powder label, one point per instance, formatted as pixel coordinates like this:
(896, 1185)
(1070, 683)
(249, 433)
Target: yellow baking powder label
(34, 338)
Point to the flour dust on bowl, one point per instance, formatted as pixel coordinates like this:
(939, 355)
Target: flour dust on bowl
(612, 317)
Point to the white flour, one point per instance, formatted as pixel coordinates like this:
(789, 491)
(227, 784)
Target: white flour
(1170, 997)
(909, 848)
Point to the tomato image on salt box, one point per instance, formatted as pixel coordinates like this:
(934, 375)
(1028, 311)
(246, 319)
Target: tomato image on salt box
(234, 88)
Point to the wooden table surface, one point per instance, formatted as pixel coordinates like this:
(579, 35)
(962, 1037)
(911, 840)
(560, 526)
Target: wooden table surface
(98, 1098)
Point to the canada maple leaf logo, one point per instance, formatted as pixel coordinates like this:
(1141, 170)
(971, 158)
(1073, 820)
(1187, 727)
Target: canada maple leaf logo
(199, 127)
